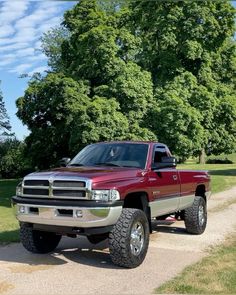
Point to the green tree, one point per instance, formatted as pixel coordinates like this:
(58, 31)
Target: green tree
(175, 120)
(136, 69)
(186, 41)
(96, 91)
(63, 118)
(51, 46)
(5, 126)
(48, 108)
(101, 50)
(13, 161)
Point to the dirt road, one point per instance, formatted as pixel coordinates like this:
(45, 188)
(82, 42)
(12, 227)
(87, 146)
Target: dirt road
(77, 268)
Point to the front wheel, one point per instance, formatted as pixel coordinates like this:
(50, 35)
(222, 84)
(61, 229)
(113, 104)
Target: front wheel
(37, 241)
(129, 238)
(196, 216)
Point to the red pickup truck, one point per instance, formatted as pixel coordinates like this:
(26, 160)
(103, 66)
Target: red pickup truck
(110, 190)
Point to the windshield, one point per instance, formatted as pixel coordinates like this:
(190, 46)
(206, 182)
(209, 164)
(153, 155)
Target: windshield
(112, 154)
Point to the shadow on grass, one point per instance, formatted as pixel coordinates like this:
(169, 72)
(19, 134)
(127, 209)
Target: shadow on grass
(7, 190)
(224, 172)
(10, 236)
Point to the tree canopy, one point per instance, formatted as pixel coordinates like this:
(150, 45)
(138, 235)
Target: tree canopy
(189, 48)
(138, 69)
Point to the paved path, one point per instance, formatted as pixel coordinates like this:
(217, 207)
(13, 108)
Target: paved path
(77, 268)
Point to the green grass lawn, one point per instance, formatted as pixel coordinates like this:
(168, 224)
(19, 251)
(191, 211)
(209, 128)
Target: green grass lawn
(8, 223)
(214, 274)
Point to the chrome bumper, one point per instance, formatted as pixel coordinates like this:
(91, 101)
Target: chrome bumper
(67, 216)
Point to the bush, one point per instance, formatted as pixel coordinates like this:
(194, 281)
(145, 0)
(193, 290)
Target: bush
(219, 161)
(13, 163)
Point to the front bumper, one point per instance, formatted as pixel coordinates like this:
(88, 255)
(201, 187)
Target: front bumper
(80, 214)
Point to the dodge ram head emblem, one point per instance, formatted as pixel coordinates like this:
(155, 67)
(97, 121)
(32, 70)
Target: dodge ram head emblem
(50, 190)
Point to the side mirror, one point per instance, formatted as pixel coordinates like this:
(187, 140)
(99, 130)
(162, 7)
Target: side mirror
(166, 162)
(64, 162)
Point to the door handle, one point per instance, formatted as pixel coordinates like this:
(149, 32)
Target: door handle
(175, 177)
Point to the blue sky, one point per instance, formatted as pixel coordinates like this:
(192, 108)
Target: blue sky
(22, 23)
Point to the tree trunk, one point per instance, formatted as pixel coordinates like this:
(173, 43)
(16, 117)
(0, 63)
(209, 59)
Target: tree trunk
(202, 156)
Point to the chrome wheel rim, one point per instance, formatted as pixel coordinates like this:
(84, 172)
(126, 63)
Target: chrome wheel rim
(136, 238)
(201, 215)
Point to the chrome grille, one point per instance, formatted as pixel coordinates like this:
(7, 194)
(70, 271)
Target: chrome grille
(38, 192)
(55, 188)
(36, 182)
(70, 193)
(68, 183)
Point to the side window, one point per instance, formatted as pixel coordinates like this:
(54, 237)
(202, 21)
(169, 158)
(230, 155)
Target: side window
(159, 152)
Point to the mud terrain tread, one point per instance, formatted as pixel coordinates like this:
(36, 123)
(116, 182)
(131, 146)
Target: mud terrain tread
(191, 217)
(119, 239)
(37, 241)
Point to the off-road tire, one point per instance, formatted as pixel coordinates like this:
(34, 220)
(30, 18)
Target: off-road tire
(120, 238)
(37, 241)
(193, 222)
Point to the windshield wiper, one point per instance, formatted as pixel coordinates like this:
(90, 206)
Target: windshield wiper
(130, 166)
(106, 164)
(76, 164)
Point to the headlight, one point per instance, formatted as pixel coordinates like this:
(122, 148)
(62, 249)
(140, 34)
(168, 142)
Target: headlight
(105, 195)
(19, 189)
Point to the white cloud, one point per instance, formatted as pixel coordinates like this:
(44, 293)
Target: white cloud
(38, 57)
(25, 52)
(22, 24)
(20, 69)
(10, 11)
(7, 61)
(12, 47)
(49, 24)
(6, 30)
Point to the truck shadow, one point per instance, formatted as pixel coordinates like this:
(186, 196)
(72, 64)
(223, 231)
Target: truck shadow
(78, 250)
(166, 226)
(81, 251)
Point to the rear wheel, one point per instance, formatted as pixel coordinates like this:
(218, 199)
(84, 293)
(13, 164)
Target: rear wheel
(129, 238)
(37, 241)
(196, 216)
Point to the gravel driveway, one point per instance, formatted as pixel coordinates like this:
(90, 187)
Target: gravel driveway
(79, 268)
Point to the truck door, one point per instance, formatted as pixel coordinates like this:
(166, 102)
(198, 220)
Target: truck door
(164, 185)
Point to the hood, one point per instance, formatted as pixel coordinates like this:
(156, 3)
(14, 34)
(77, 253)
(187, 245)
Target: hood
(96, 174)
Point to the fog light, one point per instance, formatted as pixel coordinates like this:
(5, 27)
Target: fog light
(78, 213)
(22, 209)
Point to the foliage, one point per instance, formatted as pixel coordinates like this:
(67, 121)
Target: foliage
(48, 109)
(219, 161)
(13, 162)
(190, 46)
(138, 69)
(95, 93)
(4, 119)
(51, 45)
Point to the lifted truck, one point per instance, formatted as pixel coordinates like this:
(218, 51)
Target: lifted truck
(110, 190)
